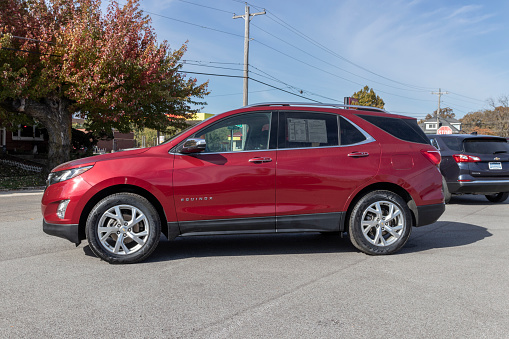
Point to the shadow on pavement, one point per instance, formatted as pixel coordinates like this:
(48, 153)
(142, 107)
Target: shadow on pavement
(442, 234)
(241, 245)
(248, 245)
(474, 199)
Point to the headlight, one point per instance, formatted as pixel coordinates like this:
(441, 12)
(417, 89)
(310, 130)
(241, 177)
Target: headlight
(55, 177)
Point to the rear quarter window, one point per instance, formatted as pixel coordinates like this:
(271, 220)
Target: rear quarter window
(404, 129)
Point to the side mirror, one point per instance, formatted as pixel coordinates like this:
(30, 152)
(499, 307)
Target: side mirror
(193, 145)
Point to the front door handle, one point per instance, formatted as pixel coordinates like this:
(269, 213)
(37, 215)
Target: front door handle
(260, 160)
(358, 154)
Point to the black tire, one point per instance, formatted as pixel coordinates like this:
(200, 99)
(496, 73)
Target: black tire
(115, 237)
(498, 197)
(445, 189)
(369, 229)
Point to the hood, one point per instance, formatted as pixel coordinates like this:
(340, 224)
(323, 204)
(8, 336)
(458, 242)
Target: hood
(103, 157)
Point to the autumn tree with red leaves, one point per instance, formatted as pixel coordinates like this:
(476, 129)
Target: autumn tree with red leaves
(65, 57)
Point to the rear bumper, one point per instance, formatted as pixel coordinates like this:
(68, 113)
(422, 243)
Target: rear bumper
(479, 186)
(428, 214)
(66, 231)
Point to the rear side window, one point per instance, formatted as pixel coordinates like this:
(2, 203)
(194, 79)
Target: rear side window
(307, 129)
(485, 146)
(349, 133)
(404, 129)
(454, 144)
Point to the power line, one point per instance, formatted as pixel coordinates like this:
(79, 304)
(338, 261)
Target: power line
(288, 85)
(239, 93)
(335, 66)
(449, 104)
(214, 62)
(261, 82)
(484, 101)
(328, 50)
(333, 74)
(210, 66)
(192, 24)
(209, 7)
(287, 55)
(229, 33)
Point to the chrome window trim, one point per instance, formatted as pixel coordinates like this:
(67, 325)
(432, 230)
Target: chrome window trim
(280, 149)
(369, 138)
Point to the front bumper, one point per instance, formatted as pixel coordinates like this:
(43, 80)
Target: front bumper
(428, 214)
(66, 231)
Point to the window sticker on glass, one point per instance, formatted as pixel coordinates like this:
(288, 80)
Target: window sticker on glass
(297, 130)
(307, 130)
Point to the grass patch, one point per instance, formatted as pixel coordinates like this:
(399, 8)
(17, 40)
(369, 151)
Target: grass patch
(12, 177)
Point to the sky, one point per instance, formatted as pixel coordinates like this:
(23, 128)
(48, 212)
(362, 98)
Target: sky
(326, 50)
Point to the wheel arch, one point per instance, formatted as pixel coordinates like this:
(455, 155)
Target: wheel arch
(381, 186)
(124, 188)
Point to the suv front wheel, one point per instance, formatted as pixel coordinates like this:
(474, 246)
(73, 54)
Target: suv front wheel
(380, 223)
(123, 228)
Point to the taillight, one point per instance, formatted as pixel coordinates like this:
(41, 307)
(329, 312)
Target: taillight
(433, 156)
(465, 158)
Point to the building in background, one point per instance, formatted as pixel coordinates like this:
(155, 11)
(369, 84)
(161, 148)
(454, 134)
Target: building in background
(442, 126)
(25, 140)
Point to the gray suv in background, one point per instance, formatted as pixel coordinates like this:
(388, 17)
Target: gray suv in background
(473, 164)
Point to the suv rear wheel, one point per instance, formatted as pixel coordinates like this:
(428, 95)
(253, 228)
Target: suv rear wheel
(380, 223)
(123, 228)
(498, 197)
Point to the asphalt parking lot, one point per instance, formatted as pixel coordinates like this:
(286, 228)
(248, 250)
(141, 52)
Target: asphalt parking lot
(451, 280)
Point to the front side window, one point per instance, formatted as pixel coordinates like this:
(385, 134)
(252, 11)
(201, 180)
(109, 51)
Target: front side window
(245, 132)
(303, 130)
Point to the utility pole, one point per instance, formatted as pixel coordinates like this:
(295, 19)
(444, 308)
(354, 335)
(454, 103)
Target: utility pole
(247, 18)
(439, 93)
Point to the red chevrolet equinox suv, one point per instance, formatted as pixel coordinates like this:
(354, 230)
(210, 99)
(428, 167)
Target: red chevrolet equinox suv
(266, 168)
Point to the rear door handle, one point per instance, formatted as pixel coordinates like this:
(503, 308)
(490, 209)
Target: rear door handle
(260, 159)
(358, 154)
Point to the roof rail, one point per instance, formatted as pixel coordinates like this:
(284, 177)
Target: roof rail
(366, 108)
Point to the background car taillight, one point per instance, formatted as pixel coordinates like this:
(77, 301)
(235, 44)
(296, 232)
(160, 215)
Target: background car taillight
(465, 158)
(433, 156)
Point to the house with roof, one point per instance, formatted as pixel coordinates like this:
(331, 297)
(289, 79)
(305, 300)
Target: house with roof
(433, 125)
(25, 139)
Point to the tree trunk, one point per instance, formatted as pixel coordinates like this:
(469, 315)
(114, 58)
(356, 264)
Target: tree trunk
(53, 113)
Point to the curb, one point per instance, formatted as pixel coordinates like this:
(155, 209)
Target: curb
(22, 191)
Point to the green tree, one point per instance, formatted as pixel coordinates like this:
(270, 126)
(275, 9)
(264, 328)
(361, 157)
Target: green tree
(445, 113)
(368, 97)
(60, 57)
